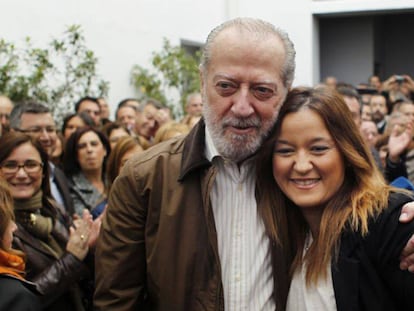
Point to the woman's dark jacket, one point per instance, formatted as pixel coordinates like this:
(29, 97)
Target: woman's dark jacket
(367, 275)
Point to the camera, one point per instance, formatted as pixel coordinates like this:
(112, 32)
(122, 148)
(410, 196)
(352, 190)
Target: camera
(399, 79)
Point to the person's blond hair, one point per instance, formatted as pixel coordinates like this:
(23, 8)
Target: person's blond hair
(6, 215)
(170, 130)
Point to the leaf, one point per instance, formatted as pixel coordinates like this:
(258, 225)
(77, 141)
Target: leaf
(173, 70)
(57, 76)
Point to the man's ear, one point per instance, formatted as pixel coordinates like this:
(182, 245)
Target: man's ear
(201, 75)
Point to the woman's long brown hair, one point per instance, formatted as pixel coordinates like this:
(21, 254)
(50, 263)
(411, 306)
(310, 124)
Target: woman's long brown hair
(363, 194)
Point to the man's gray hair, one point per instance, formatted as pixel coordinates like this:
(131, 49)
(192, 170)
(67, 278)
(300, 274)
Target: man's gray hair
(258, 27)
(190, 97)
(25, 107)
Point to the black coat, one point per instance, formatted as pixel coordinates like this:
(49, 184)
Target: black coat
(61, 182)
(17, 295)
(367, 275)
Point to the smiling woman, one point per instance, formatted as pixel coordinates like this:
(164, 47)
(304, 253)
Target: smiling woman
(338, 226)
(54, 254)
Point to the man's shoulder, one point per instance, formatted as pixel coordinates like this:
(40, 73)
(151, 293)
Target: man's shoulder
(169, 148)
(168, 152)
(176, 155)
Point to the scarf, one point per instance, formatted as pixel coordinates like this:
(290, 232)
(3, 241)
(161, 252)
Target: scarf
(42, 228)
(29, 205)
(11, 264)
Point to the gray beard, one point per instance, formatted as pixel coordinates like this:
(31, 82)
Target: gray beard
(233, 146)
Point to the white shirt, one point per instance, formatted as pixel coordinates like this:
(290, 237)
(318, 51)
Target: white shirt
(244, 248)
(53, 187)
(319, 297)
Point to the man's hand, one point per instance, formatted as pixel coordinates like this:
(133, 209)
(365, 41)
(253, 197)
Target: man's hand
(407, 255)
(408, 82)
(390, 84)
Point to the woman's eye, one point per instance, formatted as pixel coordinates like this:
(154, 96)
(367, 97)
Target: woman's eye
(283, 151)
(319, 149)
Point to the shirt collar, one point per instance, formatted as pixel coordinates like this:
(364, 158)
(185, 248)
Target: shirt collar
(211, 150)
(51, 169)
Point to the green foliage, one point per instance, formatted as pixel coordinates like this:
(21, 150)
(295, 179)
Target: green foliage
(57, 75)
(174, 70)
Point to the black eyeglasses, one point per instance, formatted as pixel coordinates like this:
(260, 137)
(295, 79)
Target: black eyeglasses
(29, 166)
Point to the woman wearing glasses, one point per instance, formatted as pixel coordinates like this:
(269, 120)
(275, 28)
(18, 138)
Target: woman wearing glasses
(55, 253)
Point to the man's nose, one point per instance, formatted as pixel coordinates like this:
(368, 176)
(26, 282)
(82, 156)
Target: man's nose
(4, 120)
(242, 105)
(44, 134)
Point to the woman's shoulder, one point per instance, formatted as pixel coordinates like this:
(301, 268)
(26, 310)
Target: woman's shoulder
(387, 235)
(18, 294)
(397, 199)
(389, 217)
(78, 182)
(12, 280)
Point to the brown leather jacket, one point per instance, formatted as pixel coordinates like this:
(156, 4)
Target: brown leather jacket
(158, 245)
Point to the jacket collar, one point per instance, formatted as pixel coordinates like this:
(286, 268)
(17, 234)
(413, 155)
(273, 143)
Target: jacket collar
(194, 157)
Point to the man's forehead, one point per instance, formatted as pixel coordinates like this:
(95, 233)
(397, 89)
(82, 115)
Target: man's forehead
(126, 110)
(150, 109)
(242, 37)
(196, 100)
(378, 99)
(37, 119)
(4, 109)
(87, 104)
(407, 106)
(5, 102)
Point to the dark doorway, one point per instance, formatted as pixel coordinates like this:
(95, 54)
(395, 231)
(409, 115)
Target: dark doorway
(354, 47)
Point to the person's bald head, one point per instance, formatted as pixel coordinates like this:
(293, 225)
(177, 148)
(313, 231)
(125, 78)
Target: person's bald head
(6, 106)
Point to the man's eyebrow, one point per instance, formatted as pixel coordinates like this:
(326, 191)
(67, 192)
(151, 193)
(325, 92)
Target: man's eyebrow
(227, 77)
(224, 76)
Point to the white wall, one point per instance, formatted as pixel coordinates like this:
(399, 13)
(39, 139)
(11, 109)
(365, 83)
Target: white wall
(125, 32)
(121, 32)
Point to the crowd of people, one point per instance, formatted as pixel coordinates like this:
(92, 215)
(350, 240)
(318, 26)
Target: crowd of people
(262, 197)
(58, 181)
(384, 114)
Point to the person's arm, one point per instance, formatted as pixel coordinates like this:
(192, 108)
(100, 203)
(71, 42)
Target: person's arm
(409, 83)
(397, 145)
(407, 255)
(52, 281)
(120, 266)
(391, 236)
